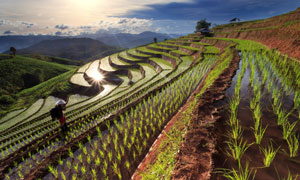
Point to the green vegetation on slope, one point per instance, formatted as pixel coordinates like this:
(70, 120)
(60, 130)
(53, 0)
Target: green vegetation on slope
(58, 60)
(20, 79)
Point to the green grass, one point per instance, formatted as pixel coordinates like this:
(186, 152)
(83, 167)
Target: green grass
(168, 148)
(14, 73)
(5, 56)
(214, 74)
(58, 60)
(180, 53)
(20, 76)
(200, 43)
(211, 50)
(260, 29)
(58, 84)
(291, 22)
(164, 64)
(246, 30)
(144, 49)
(189, 47)
(244, 44)
(132, 51)
(159, 47)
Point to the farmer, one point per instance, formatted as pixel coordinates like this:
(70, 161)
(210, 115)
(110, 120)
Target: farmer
(57, 113)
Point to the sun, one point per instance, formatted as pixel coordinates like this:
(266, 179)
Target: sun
(86, 3)
(96, 75)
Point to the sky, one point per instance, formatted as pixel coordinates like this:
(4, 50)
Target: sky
(75, 17)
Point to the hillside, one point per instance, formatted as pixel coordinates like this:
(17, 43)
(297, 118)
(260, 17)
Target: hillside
(20, 42)
(55, 59)
(20, 73)
(71, 48)
(279, 32)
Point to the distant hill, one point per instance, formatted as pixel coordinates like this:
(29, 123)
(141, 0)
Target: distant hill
(70, 48)
(19, 73)
(126, 40)
(20, 42)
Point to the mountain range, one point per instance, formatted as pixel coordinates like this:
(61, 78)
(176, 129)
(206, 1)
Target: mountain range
(123, 40)
(71, 48)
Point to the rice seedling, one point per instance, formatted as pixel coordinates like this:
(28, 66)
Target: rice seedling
(237, 149)
(69, 164)
(241, 174)
(236, 131)
(127, 164)
(53, 171)
(282, 117)
(21, 176)
(88, 159)
(293, 143)
(60, 161)
(83, 170)
(270, 154)
(290, 177)
(259, 133)
(94, 174)
(257, 117)
(63, 175)
(289, 129)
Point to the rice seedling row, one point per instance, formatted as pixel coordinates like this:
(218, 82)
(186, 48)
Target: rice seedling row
(263, 139)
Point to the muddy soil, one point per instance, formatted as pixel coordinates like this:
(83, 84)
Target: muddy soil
(195, 157)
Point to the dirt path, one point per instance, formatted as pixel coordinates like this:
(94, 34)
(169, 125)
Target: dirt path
(195, 159)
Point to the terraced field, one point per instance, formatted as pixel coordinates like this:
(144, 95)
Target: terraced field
(139, 90)
(125, 100)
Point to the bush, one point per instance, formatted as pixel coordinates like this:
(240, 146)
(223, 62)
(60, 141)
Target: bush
(6, 100)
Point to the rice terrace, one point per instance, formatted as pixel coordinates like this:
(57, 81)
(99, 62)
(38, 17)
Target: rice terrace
(223, 106)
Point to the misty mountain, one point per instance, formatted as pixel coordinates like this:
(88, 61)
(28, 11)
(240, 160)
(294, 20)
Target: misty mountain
(126, 40)
(71, 48)
(20, 42)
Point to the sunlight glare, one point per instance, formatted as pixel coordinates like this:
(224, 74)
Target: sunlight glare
(96, 75)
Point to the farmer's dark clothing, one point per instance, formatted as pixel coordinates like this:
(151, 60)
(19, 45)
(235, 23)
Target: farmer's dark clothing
(57, 113)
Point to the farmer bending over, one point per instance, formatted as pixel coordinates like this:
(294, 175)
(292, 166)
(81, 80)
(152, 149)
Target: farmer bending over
(57, 113)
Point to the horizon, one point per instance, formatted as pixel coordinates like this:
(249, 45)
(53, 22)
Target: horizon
(78, 17)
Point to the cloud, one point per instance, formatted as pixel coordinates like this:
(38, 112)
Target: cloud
(125, 25)
(5, 22)
(27, 24)
(58, 33)
(61, 27)
(123, 21)
(213, 10)
(8, 32)
(85, 27)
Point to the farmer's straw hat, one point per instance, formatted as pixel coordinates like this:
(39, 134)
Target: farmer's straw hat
(61, 102)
